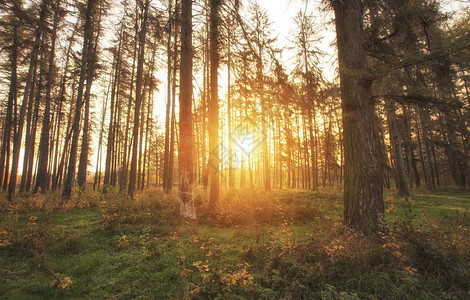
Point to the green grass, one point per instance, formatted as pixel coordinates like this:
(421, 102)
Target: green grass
(445, 208)
(277, 245)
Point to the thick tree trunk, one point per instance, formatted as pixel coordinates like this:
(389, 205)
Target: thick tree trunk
(363, 194)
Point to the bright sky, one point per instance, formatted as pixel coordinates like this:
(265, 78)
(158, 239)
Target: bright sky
(281, 14)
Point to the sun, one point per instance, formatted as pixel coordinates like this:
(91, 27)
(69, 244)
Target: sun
(244, 143)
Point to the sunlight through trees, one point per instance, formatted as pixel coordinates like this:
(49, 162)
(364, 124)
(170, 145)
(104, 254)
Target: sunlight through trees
(136, 94)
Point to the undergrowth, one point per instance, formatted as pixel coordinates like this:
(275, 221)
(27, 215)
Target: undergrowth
(282, 244)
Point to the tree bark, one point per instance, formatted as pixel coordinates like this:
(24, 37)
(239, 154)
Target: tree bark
(85, 147)
(424, 141)
(166, 160)
(213, 116)
(363, 194)
(68, 184)
(138, 98)
(395, 140)
(231, 175)
(185, 159)
(7, 129)
(97, 179)
(125, 161)
(27, 90)
(61, 99)
(42, 179)
(111, 129)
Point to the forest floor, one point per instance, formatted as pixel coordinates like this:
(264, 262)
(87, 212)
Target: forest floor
(281, 244)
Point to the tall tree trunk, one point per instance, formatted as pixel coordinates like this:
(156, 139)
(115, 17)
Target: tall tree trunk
(42, 179)
(312, 153)
(30, 137)
(452, 152)
(206, 96)
(409, 145)
(97, 179)
(395, 140)
(138, 100)
(171, 163)
(125, 161)
(327, 152)
(29, 82)
(7, 128)
(281, 160)
(83, 163)
(166, 160)
(157, 167)
(363, 193)
(213, 116)
(61, 99)
(185, 159)
(264, 126)
(424, 141)
(231, 175)
(146, 150)
(308, 181)
(57, 181)
(111, 131)
(149, 109)
(141, 137)
(289, 151)
(87, 39)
